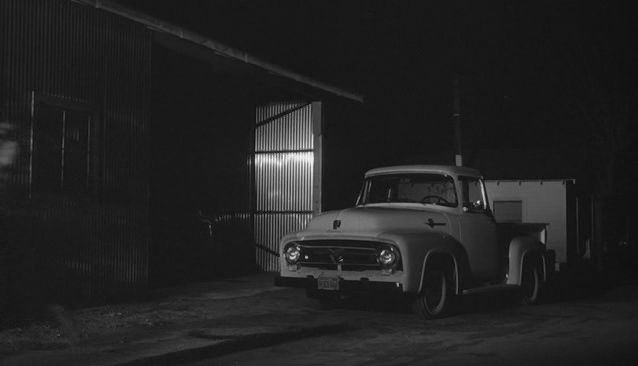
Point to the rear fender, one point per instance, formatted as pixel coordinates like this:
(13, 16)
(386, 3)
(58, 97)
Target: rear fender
(520, 249)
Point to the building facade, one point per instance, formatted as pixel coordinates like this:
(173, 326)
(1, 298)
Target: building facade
(145, 154)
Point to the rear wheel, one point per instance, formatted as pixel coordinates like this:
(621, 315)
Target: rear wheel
(530, 283)
(434, 299)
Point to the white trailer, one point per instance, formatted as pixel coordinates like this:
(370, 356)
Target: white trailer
(552, 202)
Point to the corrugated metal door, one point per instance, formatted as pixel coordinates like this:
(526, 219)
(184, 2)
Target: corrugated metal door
(285, 175)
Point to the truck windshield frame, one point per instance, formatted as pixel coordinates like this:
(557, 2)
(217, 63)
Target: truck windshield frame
(424, 188)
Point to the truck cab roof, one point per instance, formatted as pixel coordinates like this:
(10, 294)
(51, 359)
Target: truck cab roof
(440, 169)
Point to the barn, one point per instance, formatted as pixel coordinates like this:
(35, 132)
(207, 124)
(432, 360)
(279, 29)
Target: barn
(145, 154)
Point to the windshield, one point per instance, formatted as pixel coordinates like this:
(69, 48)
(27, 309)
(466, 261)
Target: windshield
(436, 189)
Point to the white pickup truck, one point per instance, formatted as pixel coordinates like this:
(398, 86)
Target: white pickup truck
(424, 231)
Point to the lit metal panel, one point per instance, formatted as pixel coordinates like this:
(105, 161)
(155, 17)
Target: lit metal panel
(284, 129)
(283, 176)
(283, 181)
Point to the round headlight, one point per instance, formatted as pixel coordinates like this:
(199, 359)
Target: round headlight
(387, 257)
(292, 253)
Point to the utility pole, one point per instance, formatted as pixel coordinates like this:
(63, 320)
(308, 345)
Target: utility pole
(458, 150)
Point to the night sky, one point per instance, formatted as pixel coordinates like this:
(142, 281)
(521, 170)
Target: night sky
(557, 77)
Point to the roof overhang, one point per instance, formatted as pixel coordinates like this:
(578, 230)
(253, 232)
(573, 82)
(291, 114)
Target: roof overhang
(177, 37)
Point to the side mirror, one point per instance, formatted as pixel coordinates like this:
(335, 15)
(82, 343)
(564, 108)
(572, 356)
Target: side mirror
(477, 207)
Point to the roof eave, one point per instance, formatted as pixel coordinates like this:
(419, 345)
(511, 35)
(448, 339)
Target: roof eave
(220, 49)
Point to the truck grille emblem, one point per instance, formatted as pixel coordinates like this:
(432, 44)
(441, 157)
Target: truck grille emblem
(336, 255)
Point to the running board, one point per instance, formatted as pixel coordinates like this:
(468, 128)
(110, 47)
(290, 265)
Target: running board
(490, 288)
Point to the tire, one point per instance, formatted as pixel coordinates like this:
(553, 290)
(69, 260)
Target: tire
(530, 283)
(434, 300)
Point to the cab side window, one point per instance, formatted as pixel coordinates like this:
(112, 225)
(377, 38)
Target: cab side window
(473, 199)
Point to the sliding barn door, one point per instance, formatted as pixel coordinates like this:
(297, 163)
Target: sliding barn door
(286, 174)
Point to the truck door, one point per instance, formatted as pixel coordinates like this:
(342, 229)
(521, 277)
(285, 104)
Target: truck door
(478, 230)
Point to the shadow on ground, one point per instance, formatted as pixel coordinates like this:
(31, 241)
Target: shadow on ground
(576, 284)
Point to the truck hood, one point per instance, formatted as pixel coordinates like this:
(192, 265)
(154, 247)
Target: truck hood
(376, 220)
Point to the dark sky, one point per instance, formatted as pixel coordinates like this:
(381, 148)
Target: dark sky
(527, 69)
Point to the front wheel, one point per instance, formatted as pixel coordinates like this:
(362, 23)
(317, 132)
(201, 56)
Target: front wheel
(433, 301)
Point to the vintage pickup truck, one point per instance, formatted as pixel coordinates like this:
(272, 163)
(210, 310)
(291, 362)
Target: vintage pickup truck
(426, 232)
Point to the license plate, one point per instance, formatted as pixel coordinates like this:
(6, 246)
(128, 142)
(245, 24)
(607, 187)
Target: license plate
(328, 283)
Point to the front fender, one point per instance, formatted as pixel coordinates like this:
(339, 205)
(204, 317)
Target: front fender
(519, 248)
(418, 248)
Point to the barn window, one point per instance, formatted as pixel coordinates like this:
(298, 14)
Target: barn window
(60, 149)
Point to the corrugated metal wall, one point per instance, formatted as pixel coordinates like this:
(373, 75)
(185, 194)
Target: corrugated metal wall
(56, 52)
(283, 175)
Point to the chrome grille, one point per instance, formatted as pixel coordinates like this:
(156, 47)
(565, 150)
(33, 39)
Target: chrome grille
(353, 255)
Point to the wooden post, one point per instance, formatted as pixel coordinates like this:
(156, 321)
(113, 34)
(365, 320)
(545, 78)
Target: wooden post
(458, 150)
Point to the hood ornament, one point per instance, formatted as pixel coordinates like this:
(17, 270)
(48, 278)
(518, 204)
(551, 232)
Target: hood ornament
(336, 224)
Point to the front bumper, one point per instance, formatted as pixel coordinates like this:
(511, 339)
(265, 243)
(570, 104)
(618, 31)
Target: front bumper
(345, 286)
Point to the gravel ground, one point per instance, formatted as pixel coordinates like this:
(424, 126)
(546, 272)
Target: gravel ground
(58, 328)
(215, 310)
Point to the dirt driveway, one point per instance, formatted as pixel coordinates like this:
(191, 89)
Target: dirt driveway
(595, 331)
(248, 321)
